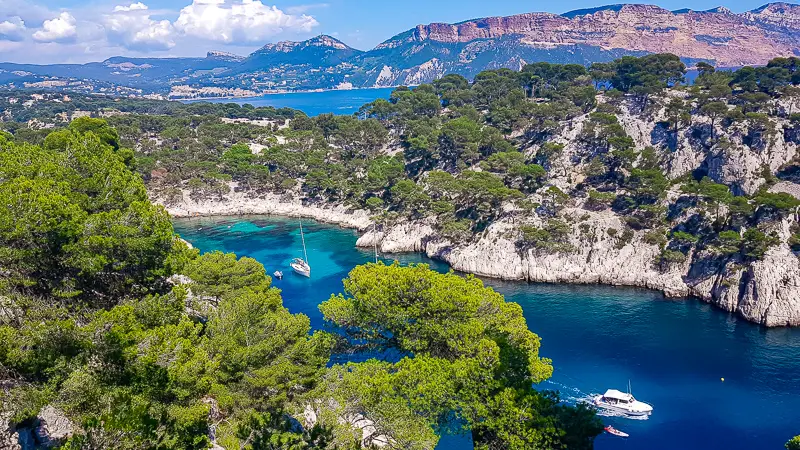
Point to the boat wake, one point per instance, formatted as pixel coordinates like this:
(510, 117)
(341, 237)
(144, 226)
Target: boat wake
(573, 396)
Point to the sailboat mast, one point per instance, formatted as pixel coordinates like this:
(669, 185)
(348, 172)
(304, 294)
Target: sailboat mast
(375, 242)
(302, 238)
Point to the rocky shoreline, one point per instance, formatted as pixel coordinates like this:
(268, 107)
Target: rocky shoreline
(240, 204)
(765, 292)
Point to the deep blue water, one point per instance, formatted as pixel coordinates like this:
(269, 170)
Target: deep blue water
(675, 352)
(316, 103)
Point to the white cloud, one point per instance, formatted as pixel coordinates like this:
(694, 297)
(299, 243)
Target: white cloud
(299, 9)
(132, 28)
(12, 29)
(31, 13)
(241, 21)
(138, 6)
(93, 31)
(60, 29)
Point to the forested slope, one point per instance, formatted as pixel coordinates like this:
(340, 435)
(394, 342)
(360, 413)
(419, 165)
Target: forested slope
(615, 174)
(116, 334)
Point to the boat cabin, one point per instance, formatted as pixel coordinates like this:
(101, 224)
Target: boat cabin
(615, 397)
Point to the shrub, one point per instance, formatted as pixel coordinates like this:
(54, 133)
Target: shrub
(655, 237)
(728, 242)
(457, 230)
(777, 201)
(684, 238)
(669, 257)
(624, 239)
(755, 243)
(600, 200)
(552, 238)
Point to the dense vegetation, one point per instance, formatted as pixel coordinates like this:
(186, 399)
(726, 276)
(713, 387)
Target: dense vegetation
(463, 155)
(23, 106)
(542, 149)
(95, 323)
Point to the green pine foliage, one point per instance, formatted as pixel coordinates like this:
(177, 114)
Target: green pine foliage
(462, 357)
(94, 324)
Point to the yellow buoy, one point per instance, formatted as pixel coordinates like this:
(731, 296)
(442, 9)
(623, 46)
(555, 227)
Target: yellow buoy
(722, 379)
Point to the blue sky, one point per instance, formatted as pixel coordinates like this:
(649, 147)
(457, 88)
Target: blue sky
(64, 31)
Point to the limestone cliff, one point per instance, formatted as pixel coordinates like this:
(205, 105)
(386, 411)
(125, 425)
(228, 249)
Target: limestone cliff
(766, 292)
(584, 36)
(605, 249)
(729, 39)
(240, 203)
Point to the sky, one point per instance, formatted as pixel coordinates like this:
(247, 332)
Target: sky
(78, 31)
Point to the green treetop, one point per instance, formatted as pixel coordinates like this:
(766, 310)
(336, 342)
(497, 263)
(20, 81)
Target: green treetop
(464, 358)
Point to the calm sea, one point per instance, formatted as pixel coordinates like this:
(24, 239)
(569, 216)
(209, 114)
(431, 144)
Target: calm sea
(674, 352)
(315, 103)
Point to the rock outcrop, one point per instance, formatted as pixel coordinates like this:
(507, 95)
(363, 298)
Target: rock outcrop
(718, 35)
(242, 203)
(9, 437)
(765, 292)
(738, 155)
(49, 430)
(585, 36)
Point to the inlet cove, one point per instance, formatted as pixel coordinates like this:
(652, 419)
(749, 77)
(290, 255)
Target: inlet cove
(675, 352)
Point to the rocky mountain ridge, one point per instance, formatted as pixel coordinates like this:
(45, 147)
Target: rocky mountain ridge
(427, 52)
(224, 56)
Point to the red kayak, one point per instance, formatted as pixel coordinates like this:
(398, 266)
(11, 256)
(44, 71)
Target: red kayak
(611, 430)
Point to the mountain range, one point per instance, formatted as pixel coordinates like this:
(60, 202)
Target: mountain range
(426, 52)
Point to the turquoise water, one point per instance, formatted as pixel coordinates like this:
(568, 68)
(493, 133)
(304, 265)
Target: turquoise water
(673, 351)
(316, 103)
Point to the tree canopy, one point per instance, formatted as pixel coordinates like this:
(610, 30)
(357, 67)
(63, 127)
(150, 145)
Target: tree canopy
(458, 355)
(142, 343)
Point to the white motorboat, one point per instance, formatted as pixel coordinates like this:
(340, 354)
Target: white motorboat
(622, 402)
(278, 274)
(300, 265)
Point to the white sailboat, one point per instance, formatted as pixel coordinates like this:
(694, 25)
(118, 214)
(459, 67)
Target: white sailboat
(300, 265)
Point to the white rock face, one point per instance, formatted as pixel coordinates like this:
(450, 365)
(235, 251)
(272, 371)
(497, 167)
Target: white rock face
(766, 292)
(239, 203)
(53, 427)
(736, 164)
(769, 293)
(386, 77)
(9, 438)
(49, 430)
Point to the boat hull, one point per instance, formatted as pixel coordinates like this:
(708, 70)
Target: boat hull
(628, 412)
(613, 431)
(301, 270)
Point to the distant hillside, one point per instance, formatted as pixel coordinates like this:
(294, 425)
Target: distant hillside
(321, 51)
(426, 52)
(597, 34)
